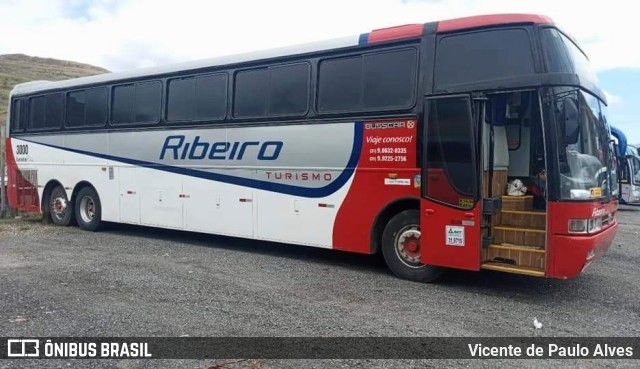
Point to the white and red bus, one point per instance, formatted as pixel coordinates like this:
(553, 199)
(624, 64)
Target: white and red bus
(399, 141)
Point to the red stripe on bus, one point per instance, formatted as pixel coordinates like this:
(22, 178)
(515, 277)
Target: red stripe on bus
(395, 33)
(12, 167)
(22, 193)
(369, 192)
(490, 20)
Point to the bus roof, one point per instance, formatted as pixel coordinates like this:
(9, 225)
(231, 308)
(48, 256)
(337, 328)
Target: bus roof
(375, 36)
(490, 20)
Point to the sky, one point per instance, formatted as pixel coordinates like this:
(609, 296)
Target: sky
(127, 34)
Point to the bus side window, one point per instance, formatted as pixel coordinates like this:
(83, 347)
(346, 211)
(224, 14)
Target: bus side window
(16, 115)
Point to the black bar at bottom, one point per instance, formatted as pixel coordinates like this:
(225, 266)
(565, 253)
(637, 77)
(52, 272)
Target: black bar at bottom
(321, 347)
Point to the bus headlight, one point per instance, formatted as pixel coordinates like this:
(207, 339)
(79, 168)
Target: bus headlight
(595, 224)
(578, 225)
(584, 226)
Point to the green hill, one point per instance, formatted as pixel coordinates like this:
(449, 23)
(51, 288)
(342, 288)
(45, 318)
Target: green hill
(19, 68)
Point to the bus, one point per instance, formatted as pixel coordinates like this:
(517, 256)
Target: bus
(401, 141)
(628, 169)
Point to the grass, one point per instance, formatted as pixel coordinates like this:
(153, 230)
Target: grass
(7, 82)
(18, 68)
(21, 218)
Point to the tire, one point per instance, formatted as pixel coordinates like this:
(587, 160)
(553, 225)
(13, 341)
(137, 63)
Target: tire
(403, 256)
(88, 209)
(59, 207)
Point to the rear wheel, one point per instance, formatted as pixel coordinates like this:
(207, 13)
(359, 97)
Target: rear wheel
(88, 209)
(60, 208)
(401, 244)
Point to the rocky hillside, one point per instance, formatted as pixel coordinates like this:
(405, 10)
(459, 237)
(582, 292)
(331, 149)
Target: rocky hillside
(18, 68)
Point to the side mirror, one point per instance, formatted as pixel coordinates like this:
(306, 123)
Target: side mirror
(571, 120)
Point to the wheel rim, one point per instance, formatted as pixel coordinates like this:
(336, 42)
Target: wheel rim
(87, 209)
(407, 246)
(59, 205)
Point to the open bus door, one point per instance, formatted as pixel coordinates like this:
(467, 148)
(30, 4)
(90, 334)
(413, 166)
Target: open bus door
(451, 217)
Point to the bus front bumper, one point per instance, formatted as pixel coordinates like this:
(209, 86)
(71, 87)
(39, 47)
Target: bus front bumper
(573, 254)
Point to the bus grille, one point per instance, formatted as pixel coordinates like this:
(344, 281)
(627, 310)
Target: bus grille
(27, 189)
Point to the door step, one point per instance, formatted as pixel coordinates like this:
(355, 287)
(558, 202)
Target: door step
(524, 219)
(519, 236)
(516, 248)
(517, 256)
(517, 269)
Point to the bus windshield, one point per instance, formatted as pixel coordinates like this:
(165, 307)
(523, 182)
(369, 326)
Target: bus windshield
(586, 158)
(584, 155)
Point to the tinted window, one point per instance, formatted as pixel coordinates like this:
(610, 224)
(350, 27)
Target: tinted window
(390, 79)
(148, 102)
(181, 100)
(563, 56)
(557, 55)
(450, 154)
(251, 93)
(37, 107)
(211, 97)
(96, 107)
(87, 107)
(22, 122)
(197, 98)
(75, 108)
(139, 103)
(18, 115)
(45, 112)
(289, 89)
(123, 103)
(340, 84)
(53, 113)
(273, 91)
(483, 56)
(372, 81)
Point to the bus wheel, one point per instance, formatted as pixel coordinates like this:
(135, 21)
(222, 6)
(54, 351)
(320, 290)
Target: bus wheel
(60, 208)
(401, 241)
(88, 209)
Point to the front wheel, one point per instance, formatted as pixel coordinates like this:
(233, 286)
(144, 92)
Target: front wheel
(88, 209)
(401, 244)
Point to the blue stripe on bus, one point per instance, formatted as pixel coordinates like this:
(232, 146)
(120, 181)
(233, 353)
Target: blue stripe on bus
(363, 39)
(246, 182)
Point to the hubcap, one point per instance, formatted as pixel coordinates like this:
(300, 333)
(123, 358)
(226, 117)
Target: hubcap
(87, 209)
(408, 246)
(59, 206)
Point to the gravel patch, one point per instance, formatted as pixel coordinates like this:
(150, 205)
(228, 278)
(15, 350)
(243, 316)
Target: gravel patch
(138, 281)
